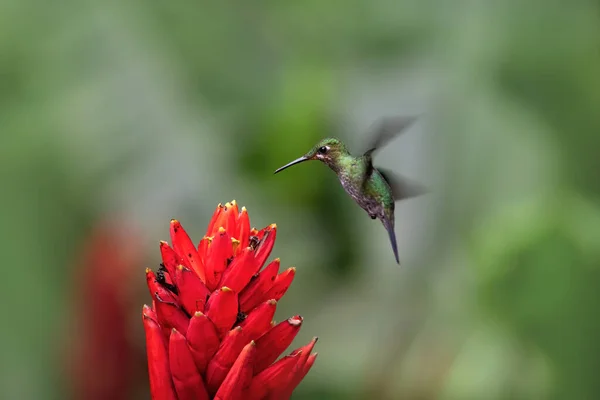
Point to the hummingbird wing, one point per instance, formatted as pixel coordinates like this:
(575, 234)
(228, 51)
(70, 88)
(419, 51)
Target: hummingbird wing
(402, 188)
(385, 130)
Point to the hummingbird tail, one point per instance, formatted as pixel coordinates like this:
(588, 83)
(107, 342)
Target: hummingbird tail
(389, 226)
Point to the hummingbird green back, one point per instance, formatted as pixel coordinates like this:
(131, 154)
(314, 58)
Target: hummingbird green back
(370, 188)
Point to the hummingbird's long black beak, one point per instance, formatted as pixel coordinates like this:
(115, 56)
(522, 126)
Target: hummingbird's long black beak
(296, 161)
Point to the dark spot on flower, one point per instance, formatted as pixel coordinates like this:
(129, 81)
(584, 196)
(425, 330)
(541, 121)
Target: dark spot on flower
(273, 277)
(229, 260)
(190, 255)
(241, 317)
(172, 288)
(254, 241)
(160, 278)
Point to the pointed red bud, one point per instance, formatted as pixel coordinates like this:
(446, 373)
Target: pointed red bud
(242, 231)
(157, 289)
(239, 376)
(222, 361)
(184, 246)
(202, 339)
(170, 258)
(188, 382)
(273, 378)
(298, 372)
(213, 220)
(192, 292)
(203, 253)
(270, 345)
(256, 290)
(161, 386)
(219, 250)
(235, 210)
(240, 271)
(259, 320)
(235, 245)
(170, 315)
(266, 244)
(281, 284)
(226, 219)
(309, 363)
(260, 234)
(222, 309)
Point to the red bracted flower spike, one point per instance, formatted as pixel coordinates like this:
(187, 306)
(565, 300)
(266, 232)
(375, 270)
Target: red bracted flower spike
(209, 332)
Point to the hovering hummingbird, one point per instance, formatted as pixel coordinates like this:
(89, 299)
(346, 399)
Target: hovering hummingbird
(374, 189)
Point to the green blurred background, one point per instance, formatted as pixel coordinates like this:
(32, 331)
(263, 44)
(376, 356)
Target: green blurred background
(141, 111)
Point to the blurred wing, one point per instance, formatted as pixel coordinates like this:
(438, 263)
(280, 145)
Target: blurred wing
(402, 188)
(385, 130)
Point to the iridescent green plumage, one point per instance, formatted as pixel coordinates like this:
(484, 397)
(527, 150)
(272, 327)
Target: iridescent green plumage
(373, 190)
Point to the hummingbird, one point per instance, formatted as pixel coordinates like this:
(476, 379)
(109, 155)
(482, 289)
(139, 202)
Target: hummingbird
(374, 189)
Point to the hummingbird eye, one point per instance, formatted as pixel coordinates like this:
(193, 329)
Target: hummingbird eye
(322, 150)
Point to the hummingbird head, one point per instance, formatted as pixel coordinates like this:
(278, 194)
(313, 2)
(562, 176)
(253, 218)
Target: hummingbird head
(328, 151)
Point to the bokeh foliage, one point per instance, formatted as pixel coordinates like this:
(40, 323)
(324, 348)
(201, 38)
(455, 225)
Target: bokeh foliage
(162, 109)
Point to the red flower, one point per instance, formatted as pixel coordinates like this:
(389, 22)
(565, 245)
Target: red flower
(102, 358)
(209, 333)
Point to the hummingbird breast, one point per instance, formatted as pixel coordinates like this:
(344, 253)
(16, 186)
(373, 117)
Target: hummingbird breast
(362, 192)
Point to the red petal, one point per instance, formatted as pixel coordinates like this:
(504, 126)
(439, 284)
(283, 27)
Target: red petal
(170, 258)
(161, 387)
(188, 382)
(259, 234)
(242, 232)
(222, 361)
(307, 366)
(235, 211)
(235, 246)
(157, 289)
(192, 292)
(256, 290)
(298, 372)
(203, 251)
(281, 285)
(286, 394)
(213, 220)
(219, 250)
(309, 363)
(240, 375)
(271, 378)
(231, 213)
(225, 219)
(240, 271)
(168, 278)
(222, 309)
(185, 248)
(202, 339)
(266, 244)
(170, 315)
(275, 341)
(259, 320)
